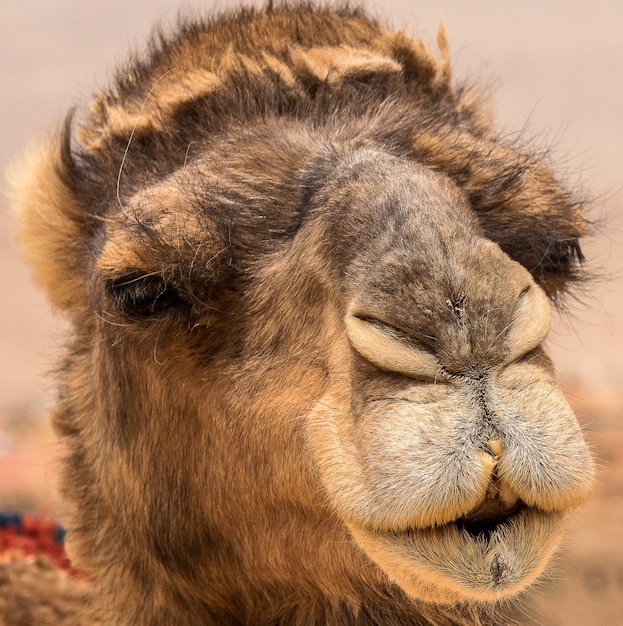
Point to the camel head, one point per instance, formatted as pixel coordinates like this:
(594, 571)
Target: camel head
(309, 289)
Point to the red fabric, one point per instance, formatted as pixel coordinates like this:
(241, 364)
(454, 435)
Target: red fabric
(36, 537)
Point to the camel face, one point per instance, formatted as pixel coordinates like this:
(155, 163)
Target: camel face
(437, 440)
(309, 289)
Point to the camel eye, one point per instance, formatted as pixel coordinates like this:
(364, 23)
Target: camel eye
(143, 295)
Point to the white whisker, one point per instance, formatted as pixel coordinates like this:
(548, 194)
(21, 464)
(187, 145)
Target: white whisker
(127, 148)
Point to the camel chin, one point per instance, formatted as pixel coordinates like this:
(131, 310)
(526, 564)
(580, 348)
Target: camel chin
(453, 562)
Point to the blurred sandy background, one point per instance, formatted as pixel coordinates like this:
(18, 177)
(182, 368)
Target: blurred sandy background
(558, 71)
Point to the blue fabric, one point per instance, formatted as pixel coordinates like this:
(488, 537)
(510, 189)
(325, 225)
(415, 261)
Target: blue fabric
(15, 518)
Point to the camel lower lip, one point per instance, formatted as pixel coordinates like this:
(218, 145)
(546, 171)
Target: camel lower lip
(487, 566)
(458, 532)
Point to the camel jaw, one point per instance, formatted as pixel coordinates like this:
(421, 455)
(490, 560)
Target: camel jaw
(451, 563)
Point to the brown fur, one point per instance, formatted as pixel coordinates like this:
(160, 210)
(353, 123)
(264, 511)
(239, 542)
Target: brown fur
(36, 592)
(308, 290)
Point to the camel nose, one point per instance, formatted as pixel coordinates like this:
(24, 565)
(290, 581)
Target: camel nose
(531, 322)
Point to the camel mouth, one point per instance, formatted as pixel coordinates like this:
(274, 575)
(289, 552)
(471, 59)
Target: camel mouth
(492, 515)
(483, 524)
(486, 555)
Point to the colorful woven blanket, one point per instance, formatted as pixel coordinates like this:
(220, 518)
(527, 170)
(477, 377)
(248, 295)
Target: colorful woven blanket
(38, 584)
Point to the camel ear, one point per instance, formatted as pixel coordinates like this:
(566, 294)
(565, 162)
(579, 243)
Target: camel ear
(49, 221)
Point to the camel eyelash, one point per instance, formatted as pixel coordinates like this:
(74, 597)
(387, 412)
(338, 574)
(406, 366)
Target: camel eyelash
(143, 295)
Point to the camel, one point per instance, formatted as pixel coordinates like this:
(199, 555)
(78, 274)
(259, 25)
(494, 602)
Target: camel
(308, 286)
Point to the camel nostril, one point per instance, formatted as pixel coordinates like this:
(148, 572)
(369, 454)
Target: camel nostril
(531, 322)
